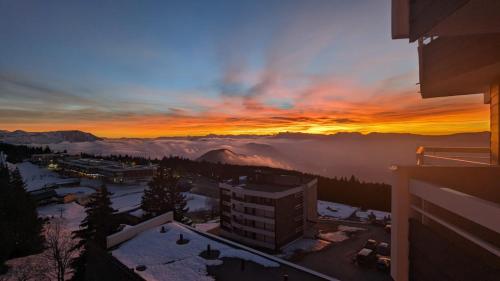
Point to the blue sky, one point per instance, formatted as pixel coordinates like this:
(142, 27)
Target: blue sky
(80, 64)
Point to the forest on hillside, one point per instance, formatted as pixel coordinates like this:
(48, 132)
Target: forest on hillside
(349, 191)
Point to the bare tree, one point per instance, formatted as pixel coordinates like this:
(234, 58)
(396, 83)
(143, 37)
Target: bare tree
(30, 268)
(59, 248)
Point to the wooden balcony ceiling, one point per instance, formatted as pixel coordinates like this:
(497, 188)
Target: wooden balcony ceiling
(459, 65)
(419, 18)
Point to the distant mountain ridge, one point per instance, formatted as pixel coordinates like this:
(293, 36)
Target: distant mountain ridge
(23, 137)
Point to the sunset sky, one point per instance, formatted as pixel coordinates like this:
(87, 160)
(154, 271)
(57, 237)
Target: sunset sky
(165, 68)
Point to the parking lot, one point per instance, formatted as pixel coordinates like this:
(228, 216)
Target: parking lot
(337, 259)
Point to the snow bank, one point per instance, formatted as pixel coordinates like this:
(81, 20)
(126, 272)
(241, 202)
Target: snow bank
(166, 260)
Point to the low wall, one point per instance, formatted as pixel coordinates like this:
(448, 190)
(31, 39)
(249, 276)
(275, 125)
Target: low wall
(132, 231)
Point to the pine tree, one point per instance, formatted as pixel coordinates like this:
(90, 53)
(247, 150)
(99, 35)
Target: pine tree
(6, 239)
(155, 200)
(28, 226)
(179, 203)
(97, 225)
(163, 195)
(20, 227)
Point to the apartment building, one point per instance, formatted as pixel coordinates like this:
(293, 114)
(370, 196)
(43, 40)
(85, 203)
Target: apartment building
(47, 159)
(446, 208)
(267, 211)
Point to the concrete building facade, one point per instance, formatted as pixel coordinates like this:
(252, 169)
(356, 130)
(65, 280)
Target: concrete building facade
(267, 211)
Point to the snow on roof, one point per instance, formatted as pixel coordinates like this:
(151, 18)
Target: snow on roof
(82, 190)
(335, 210)
(166, 260)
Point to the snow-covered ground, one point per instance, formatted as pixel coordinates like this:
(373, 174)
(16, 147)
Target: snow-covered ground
(378, 214)
(197, 202)
(341, 234)
(129, 197)
(343, 211)
(335, 210)
(166, 260)
(303, 245)
(72, 213)
(36, 177)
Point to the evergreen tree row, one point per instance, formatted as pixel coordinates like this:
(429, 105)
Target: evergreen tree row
(349, 191)
(20, 227)
(17, 153)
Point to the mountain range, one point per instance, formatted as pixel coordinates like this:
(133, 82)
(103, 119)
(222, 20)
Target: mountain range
(23, 137)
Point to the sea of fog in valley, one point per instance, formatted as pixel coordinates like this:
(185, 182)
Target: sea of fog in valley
(368, 157)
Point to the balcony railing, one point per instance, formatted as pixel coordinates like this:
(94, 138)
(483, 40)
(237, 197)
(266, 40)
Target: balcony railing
(453, 156)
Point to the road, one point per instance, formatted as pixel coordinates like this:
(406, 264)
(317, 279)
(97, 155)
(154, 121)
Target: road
(336, 260)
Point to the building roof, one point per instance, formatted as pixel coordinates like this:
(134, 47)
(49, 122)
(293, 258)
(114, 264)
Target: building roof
(272, 183)
(165, 259)
(106, 165)
(265, 187)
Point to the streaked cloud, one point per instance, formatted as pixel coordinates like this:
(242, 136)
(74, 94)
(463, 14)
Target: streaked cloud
(252, 68)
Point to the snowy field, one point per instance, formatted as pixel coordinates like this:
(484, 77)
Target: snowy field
(35, 177)
(166, 260)
(72, 214)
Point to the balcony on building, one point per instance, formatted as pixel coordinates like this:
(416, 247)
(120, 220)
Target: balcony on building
(446, 207)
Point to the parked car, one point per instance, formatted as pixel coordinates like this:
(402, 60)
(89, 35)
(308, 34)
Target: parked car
(365, 257)
(383, 263)
(388, 228)
(383, 249)
(371, 244)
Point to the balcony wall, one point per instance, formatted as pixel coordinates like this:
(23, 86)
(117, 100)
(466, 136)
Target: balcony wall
(455, 202)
